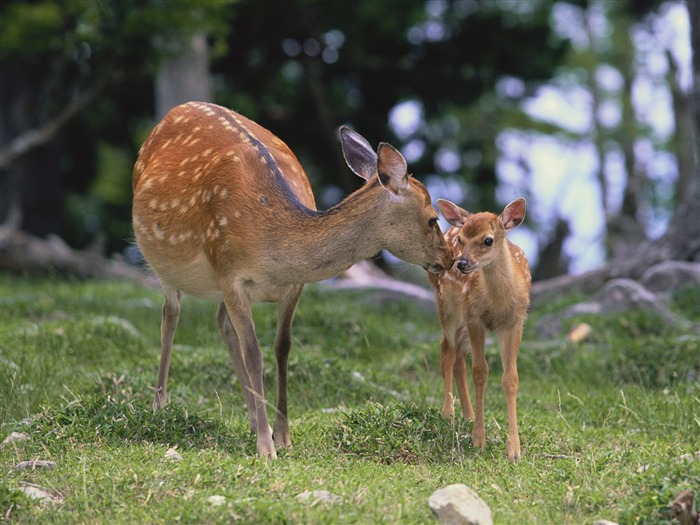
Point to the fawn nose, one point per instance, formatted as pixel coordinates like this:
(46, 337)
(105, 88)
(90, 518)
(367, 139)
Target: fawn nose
(462, 264)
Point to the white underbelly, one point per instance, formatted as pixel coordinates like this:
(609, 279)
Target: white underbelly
(194, 276)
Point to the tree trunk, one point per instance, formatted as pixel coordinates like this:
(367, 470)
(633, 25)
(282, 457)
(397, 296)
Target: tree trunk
(184, 77)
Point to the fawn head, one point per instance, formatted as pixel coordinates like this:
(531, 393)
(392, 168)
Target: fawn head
(409, 222)
(481, 235)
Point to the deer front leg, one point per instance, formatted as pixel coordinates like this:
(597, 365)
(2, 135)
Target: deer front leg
(480, 373)
(510, 343)
(448, 356)
(283, 341)
(238, 308)
(234, 348)
(171, 316)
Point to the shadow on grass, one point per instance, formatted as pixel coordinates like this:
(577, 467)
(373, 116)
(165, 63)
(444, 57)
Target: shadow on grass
(106, 419)
(400, 433)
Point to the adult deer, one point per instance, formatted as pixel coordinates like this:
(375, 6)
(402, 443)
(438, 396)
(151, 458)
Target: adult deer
(223, 210)
(488, 289)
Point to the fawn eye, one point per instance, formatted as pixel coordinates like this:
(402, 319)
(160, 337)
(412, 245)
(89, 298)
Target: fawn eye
(459, 241)
(488, 241)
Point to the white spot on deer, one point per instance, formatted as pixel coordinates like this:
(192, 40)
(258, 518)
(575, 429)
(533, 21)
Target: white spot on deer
(223, 221)
(193, 200)
(178, 119)
(175, 203)
(166, 143)
(224, 193)
(158, 232)
(153, 204)
(237, 214)
(147, 184)
(207, 152)
(163, 206)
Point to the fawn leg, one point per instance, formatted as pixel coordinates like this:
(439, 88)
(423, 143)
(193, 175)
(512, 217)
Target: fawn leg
(448, 356)
(480, 373)
(510, 343)
(460, 371)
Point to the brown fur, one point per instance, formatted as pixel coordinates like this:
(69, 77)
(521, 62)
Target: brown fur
(222, 209)
(493, 296)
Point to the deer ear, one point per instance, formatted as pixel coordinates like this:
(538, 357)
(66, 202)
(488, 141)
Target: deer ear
(513, 215)
(391, 168)
(453, 214)
(358, 153)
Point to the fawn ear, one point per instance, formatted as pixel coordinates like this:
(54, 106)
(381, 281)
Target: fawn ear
(513, 215)
(452, 213)
(358, 153)
(392, 169)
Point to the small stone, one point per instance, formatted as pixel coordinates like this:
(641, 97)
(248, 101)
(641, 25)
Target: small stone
(36, 464)
(319, 496)
(459, 505)
(217, 501)
(605, 522)
(171, 453)
(40, 494)
(15, 437)
(579, 333)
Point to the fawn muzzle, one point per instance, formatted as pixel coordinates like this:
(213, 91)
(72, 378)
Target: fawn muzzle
(465, 265)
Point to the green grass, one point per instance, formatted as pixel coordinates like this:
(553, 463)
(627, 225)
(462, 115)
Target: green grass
(604, 425)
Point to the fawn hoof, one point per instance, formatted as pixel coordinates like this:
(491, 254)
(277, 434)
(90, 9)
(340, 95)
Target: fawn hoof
(478, 438)
(513, 452)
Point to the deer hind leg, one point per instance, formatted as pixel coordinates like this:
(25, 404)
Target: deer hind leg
(171, 316)
(448, 356)
(510, 343)
(231, 339)
(460, 372)
(480, 373)
(283, 341)
(251, 362)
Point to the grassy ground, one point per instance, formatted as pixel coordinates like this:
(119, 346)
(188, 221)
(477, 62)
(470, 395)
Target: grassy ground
(605, 425)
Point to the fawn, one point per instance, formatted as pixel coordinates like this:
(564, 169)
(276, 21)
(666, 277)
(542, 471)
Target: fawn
(487, 289)
(222, 209)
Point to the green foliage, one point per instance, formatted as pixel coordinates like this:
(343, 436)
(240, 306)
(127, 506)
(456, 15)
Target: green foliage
(399, 433)
(609, 427)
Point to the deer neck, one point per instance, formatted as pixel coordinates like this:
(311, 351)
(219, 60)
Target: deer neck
(328, 242)
(499, 275)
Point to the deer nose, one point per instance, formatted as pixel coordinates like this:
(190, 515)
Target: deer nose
(462, 264)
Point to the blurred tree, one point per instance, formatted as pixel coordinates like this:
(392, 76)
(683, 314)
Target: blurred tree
(303, 68)
(76, 83)
(681, 241)
(300, 68)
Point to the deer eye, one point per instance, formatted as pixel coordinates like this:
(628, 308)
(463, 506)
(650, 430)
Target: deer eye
(459, 241)
(488, 241)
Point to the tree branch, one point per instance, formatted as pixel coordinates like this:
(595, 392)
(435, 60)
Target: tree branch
(36, 137)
